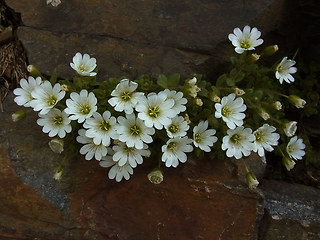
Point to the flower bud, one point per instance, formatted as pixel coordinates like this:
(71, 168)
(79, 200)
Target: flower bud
(18, 115)
(239, 92)
(64, 87)
(193, 88)
(252, 180)
(253, 57)
(199, 102)
(34, 72)
(277, 105)
(296, 101)
(56, 145)
(215, 98)
(264, 114)
(270, 50)
(186, 118)
(290, 128)
(288, 163)
(155, 176)
(58, 173)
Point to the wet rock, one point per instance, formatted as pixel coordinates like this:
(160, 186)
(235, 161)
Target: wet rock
(201, 199)
(292, 211)
(140, 36)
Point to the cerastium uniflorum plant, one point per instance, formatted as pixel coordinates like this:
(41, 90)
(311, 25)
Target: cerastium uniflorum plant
(121, 122)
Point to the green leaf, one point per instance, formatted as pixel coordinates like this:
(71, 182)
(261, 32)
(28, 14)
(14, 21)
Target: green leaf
(162, 81)
(173, 80)
(54, 77)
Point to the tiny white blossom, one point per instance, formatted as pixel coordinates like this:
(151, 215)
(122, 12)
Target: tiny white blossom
(245, 40)
(290, 128)
(89, 149)
(203, 137)
(81, 106)
(133, 131)
(231, 110)
(55, 122)
(84, 65)
(179, 100)
(295, 148)
(238, 142)
(177, 128)
(124, 154)
(193, 88)
(23, 94)
(46, 97)
(284, 70)
(156, 110)
(101, 128)
(174, 151)
(124, 98)
(266, 137)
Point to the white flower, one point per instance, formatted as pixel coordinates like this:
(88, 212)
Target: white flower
(177, 128)
(90, 149)
(179, 100)
(193, 88)
(174, 151)
(245, 40)
(101, 128)
(81, 106)
(117, 172)
(54, 3)
(84, 65)
(295, 148)
(266, 137)
(55, 123)
(284, 70)
(124, 154)
(133, 131)
(203, 138)
(23, 94)
(288, 163)
(230, 110)
(124, 98)
(155, 176)
(238, 142)
(46, 97)
(156, 110)
(290, 128)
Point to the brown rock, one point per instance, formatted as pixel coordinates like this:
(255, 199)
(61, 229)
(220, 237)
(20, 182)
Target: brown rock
(198, 200)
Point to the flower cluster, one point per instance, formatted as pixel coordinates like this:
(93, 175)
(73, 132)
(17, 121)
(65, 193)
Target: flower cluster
(120, 122)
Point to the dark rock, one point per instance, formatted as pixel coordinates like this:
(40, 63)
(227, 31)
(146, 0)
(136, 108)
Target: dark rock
(292, 211)
(141, 36)
(198, 200)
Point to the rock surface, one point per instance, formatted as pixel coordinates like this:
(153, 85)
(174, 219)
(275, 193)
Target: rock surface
(141, 36)
(198, 200)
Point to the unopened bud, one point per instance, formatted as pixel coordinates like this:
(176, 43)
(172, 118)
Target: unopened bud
(270, 50)
(215, 98)
(18, 115)
(186, 118)
(56, 145)
(239, 92)
(277, 105)
(252, 180)
(290, 128)
(34, 72)
(288, 163)
(264, 114)
(253, 57)
(193, 88)
(64, 87)
(297, 101)
(199, 102)
(155, 176)
(58, 173)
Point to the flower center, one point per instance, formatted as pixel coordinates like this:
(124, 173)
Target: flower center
(259, 136)
(126, 96)
(172, 145)
(290, 149)
(173, 128)
(236, 138)
(197, 138)
(245, 44)
(226, 111)
(135, 130)
(85, 109)
(154, 111)
(129, 149)
(58, 120)
(52, 100)
(105, 126)
(82, 68)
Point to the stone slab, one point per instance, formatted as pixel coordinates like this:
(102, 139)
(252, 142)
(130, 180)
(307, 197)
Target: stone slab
(199, 200)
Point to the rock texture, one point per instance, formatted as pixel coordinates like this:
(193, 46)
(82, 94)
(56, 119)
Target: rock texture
(137, 37)
(198, 200)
